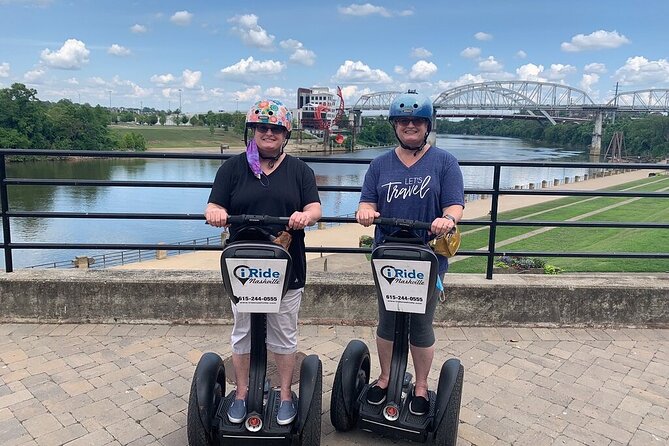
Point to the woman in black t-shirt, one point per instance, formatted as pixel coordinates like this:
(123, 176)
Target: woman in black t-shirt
(266, 181)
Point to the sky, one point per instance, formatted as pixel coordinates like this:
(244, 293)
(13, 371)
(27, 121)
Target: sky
(224, 55)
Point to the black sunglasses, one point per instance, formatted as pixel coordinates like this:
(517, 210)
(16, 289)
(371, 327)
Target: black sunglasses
(275, 129)
(406, 121)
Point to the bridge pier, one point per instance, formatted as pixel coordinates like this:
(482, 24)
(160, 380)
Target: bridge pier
(596, 145)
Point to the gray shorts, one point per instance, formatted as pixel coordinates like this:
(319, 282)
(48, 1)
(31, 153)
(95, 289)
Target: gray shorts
(281, 327)
(421, 333)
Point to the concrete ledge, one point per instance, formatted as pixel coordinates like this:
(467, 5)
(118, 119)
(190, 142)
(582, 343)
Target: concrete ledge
(163, 296)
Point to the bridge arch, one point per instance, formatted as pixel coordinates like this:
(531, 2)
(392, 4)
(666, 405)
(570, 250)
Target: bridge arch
(655, 99)
(375, 101)
(498, 95)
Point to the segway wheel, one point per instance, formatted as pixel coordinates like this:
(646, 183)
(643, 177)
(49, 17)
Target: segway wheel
(206, 391)
(350, 379)
(448, 403)
(311, 394)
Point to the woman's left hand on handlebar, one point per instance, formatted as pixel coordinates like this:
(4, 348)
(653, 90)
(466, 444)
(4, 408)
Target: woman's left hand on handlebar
(441, 226)
(299, 220)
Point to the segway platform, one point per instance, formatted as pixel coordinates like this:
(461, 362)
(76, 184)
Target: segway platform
(405, 273)
(255, 272)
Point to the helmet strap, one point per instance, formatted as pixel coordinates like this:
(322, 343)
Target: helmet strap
(273, 159)
(416, 149)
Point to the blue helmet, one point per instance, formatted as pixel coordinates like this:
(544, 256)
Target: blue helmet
(411, 104)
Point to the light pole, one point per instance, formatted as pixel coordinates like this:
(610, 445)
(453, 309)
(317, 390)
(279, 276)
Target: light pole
(180, 111)
(110, 92)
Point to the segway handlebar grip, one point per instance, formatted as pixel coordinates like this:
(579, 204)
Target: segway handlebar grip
(257, 219)
(402, 223)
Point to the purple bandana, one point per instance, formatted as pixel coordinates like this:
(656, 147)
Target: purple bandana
(253, 158)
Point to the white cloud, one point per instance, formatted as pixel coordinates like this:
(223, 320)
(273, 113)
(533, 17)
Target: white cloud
(191, 78)
(170, 92)
(398, 69)
(97, 81)
(249, 95)
(247, 69)
(530, 72)
(353, 91)
(250, 32)
(4, 69)
(138, 29)
(300, 54)
(595, 41)
(118, 50)
(139, 92)
(640, 71)
(595, 67)
(216, 92)
(276, 93)
(559, 71)
(482, 36)
(490, 65)
(422, 70)
(303, 57)
(471, 52)
(72, 81)
(420, 53)
(520, 54)
(163, 79)
(588, 81)
(465, 79)
(362, 10)
(358, 72)
(181, 18)
(34, 76)
(71, 56)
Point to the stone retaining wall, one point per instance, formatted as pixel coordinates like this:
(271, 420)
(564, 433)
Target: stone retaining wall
(197, 297)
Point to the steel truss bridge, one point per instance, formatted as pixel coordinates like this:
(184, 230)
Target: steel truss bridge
(527, 100)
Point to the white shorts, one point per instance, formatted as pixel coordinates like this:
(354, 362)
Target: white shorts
(281, 327)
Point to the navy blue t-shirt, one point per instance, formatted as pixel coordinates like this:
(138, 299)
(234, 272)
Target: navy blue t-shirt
(419, 192)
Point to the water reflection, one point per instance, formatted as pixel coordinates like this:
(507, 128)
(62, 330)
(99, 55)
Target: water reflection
(182, 200)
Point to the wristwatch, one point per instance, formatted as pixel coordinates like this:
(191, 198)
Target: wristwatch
(450, 217)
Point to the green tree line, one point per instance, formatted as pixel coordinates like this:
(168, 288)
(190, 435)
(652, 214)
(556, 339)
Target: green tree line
(645, 136)
(28, 123)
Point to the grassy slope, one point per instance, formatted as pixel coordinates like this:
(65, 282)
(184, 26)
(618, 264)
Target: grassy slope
(180, 137)
(585, 239)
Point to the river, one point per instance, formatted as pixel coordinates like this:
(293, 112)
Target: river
(183, 200)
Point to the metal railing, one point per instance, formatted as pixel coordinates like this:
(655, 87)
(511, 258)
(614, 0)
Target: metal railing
(493, 222)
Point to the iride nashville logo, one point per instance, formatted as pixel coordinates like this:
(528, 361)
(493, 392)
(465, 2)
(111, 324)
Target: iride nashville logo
(246, 274)
(401, 275)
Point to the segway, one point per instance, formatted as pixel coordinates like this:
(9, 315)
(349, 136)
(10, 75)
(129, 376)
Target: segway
(255, 272)
(405, 274)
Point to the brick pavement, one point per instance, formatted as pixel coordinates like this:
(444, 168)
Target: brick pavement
(128, 384)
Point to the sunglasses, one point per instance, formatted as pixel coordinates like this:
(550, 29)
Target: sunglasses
(275, 129)
(406, 121)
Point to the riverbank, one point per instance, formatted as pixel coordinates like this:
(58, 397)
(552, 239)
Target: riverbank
(348, 235)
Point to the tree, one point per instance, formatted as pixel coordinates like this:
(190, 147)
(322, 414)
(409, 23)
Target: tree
(162, 119)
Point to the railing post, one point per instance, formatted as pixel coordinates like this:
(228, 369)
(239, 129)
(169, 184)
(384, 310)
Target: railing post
(494, 205)
(4, 208)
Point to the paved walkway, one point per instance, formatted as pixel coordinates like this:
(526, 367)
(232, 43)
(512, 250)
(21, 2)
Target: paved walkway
(128, 384)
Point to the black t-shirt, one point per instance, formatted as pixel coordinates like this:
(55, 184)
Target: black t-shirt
(289, 188)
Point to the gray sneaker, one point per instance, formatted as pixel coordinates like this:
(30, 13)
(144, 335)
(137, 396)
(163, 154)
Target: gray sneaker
(287, 412)
(237, 411)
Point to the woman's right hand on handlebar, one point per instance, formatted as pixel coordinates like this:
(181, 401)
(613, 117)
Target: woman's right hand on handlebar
(216, 215)
(366, 214)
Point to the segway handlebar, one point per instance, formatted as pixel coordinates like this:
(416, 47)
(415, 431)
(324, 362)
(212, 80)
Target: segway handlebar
(402, 223)
(257, 219)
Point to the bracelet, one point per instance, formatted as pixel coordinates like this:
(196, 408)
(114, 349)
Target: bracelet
(450, 217)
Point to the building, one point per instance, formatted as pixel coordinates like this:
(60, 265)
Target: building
(316, 109)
